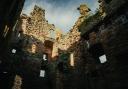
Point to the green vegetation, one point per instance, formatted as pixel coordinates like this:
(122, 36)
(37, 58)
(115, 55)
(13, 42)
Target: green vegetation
(92, 17)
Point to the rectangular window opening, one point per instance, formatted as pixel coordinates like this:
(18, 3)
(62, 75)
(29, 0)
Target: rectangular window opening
(103, 58)
(42, 73)
(72, 59)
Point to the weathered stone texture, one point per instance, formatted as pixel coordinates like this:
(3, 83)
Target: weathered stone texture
(102, 35)
(72, 44)
(34, 39)
(37, 25)
(110, 32)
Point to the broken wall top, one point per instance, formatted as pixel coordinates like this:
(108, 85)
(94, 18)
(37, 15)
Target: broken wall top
(37, 25)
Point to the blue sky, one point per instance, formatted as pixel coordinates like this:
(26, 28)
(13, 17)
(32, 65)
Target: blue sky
(62, 13)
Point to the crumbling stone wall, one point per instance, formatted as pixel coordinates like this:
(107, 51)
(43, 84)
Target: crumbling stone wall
(72, 43)
(66, 41)
(101, 36)
(33, 32)
(36, 26)
(110, 33)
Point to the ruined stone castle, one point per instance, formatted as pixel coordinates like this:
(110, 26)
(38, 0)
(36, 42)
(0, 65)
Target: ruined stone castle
(34, 54)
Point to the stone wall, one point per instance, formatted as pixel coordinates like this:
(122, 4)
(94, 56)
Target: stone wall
(73, 36)
(70, 66)
(37, 25)
(35, 30)
(99, 49)
(31, 40)
(108, 37)
(9, 13)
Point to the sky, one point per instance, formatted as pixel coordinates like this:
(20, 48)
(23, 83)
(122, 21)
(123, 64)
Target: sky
(62, 13)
